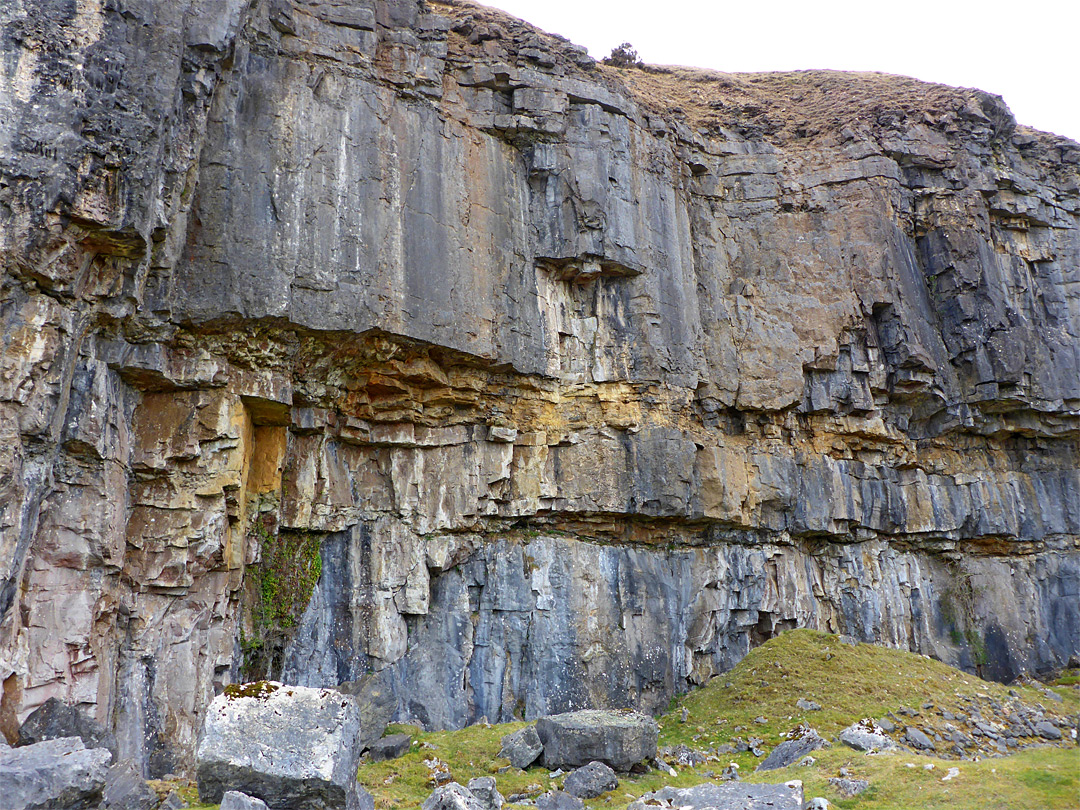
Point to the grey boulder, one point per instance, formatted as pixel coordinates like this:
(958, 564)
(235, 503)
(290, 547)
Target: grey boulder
(918, 739)
(484, 791)
(728, 796)
(61, 773)
(55, 719)
(125, 789)
(522, 748)
(558, 800)
(866, 735)
(291, 746)
(791, 751)
(619, 739)
(1047, 730)
(391, 747)
(235, 800)
(452, 797)
(590, 781)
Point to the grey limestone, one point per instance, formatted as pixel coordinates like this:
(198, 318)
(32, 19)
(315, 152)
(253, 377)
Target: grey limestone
(421, 285)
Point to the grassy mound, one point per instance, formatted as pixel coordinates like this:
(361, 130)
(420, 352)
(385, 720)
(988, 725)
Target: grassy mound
(850, 682)
(757, 699)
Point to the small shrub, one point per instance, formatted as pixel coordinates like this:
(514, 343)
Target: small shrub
(624, 56)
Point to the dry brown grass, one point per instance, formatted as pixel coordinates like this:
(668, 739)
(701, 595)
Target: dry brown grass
(805, 106)
(801, 104)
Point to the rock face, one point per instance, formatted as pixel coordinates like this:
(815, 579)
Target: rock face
(381, 336)
(60, 773)
(288, 746)
(618, 739)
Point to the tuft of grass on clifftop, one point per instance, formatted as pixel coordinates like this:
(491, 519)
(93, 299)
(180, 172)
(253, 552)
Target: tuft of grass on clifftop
(849, 681)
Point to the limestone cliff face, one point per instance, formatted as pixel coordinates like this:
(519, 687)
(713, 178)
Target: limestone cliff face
(577, 382)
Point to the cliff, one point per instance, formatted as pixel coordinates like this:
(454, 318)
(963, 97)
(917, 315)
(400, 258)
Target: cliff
(346, 337)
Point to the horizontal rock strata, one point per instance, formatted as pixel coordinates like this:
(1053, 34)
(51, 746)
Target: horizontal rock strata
(402, 338)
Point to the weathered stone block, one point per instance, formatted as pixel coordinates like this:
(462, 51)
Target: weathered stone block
(60, 773)
(291, 746)
(486, 793)
(235, 800)
(619, 739)
(452, 797)
(866, 736)
(522, 748)
(390, 747)
(590, 781)
(125, 789)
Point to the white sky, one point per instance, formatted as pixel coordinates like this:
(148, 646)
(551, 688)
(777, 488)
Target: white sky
(1027, 52)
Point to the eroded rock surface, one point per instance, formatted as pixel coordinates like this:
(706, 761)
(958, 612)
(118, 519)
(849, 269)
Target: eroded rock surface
(287, 745)
(59, 773)
(401, 338)
(617, 739)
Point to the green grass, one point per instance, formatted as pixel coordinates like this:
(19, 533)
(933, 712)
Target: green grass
(850, 682)
(1036, 779)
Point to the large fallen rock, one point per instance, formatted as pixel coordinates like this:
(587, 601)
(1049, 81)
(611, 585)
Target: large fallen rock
(392, 747)
(452, 797)
(294, 747)
(61, 773)
(485, 792)
(729, 796)
(619, 739)
(54, 719)
(522, 747)
(590, 781)
(235, 800)
(558, 800)
(866, 735)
